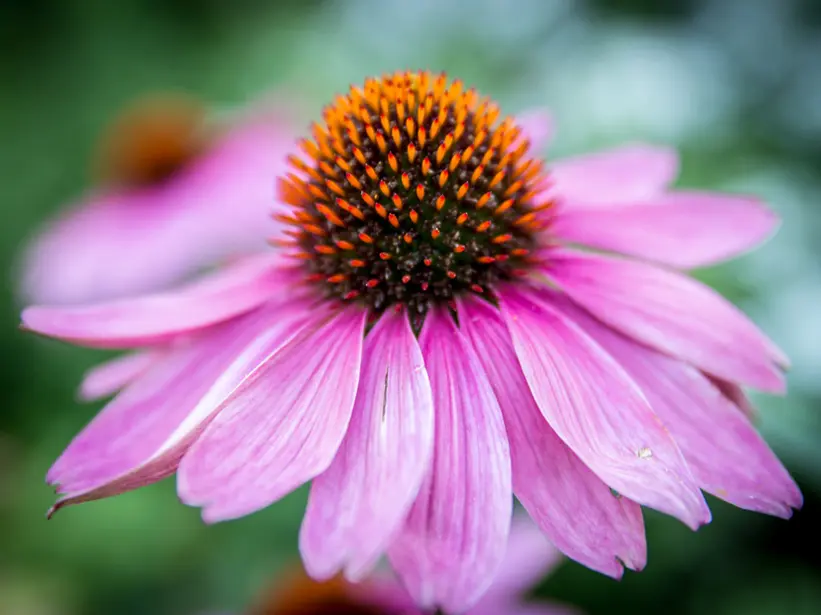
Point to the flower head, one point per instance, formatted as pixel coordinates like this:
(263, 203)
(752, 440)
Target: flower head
(177, 190)
(427, 340)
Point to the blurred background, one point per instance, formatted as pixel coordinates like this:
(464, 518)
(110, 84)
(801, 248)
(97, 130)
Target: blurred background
(734, 84)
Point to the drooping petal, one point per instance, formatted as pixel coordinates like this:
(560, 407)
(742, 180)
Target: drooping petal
(357, 505)
(682, 229)
(455, 536)
(154, 319)
(598, 411)
(671, 312)
(536, 125)
(623, 174)
(576, 510)
(725, 453)
(139, 436)
(281, 427)
(109, 377)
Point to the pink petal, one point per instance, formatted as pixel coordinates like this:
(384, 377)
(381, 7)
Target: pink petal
(127, 242)
(598, 411)
(624, 174)
(572, 505)
(233, 188)
(455, 536)
(109, 377)
(682, 229)
(281, 427)
(359, 503)
(154, 319)
(88, 253)
(736, 395)
(726, 455)
(528, 559)
(154, 416)
(537, 125)
(671, 312)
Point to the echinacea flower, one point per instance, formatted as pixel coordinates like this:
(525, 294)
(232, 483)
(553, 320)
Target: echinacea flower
(178, 190)
(427, 339)
(528, 559)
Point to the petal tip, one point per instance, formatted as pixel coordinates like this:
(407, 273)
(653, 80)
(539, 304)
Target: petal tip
(58, 505)
(211, 515)
(779, 357)
(774, 383)
(186, 494)
(29, 319)
(318, 570)
(781, 512)
(704, 516)
(356, 574)
(51, 475)
(795, 499)
(619, 568)
(636, 559)
(46, 321)
(85, 393)
(635, 566)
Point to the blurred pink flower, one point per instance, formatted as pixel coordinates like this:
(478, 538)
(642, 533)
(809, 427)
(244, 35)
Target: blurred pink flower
(178, 191)
(529, 557)
(584, 383)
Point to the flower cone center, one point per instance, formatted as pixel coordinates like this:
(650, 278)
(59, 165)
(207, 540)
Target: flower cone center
(413, 191)
(152, 141)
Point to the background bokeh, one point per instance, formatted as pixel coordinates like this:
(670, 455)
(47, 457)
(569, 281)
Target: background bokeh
(735, 84)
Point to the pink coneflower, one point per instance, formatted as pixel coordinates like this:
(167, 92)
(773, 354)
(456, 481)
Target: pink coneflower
(177, 190)
(428, 341)
(528, 559)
